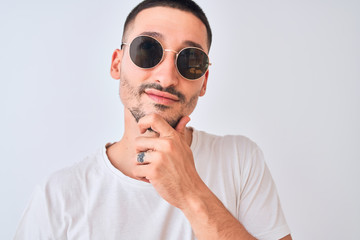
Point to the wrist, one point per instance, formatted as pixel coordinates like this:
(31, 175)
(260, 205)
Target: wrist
(199, 202)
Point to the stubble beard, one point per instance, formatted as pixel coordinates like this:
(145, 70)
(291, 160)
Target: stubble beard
(138, 111)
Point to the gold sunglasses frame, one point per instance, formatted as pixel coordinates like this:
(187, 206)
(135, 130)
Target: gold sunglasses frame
(163, 56)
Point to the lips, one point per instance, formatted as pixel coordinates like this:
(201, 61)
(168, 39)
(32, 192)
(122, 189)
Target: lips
(161, 97)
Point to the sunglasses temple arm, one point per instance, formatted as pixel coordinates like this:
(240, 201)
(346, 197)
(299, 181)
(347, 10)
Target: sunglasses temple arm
(122, 44)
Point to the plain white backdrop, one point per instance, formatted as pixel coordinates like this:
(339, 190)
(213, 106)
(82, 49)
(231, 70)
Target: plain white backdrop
(285, 73)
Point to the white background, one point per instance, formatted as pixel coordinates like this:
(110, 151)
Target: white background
(285, 73)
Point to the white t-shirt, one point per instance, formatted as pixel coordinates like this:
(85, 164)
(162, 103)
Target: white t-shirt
(94, 200)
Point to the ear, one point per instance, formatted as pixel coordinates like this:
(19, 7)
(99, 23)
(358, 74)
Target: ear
(115, 64)
(203, 88)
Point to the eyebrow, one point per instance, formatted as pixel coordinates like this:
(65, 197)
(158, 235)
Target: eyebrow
(187, 43)
(153, 34)
(193, 44)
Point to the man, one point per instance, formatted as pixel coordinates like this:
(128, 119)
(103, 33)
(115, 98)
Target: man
(162, 180)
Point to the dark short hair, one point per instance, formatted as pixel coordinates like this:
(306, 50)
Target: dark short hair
(184, 5)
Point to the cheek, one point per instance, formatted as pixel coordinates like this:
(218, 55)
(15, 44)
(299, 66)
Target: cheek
(131, 74)
(127, 92)
(191, 103)
(128, 74)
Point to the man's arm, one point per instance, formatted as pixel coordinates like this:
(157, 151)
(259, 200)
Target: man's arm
(211, 220)
(170, 168)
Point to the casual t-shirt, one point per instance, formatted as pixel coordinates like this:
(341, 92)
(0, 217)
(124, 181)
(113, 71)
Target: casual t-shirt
(94, 200)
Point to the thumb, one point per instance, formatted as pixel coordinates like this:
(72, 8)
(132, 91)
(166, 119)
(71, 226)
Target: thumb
(181, 126)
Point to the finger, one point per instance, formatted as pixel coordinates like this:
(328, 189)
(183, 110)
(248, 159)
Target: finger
(144, 144)
(155, 145)
(141, 172)
(140, 158)
(144, 158)
(156, 123)
(181, 126)
(144, 179)
(144, 171)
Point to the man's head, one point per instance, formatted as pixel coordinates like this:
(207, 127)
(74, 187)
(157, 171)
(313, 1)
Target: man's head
(161, 89)
(184, 5)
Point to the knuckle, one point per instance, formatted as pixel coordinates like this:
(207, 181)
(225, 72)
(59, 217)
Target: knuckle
(153, 117)
(165, 145)
(137, 140)
(135, 172)
(156, 172)
(168, 145)
(160, 157)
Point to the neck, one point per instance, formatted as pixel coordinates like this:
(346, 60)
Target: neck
(123, 154)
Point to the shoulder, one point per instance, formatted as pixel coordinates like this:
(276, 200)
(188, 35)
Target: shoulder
(227, 143)
(226, 164)
(70, 179)
(234, 154)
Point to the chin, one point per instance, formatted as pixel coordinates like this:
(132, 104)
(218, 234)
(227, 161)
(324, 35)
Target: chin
(171, 120)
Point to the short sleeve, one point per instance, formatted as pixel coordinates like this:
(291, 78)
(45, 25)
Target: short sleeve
(259, 210)
(35, 222)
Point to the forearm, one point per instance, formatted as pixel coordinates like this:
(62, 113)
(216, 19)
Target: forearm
(211, 220)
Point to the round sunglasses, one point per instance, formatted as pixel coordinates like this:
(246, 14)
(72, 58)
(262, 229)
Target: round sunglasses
(147, 52)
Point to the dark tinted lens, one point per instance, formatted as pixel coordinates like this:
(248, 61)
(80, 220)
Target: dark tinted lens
(145, 52)
(192, 63)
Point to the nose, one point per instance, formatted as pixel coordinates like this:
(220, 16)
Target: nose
(166, 73)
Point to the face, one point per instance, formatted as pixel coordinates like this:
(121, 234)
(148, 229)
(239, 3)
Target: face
(161, 89)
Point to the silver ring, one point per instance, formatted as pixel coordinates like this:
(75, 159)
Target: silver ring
(140, 157)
